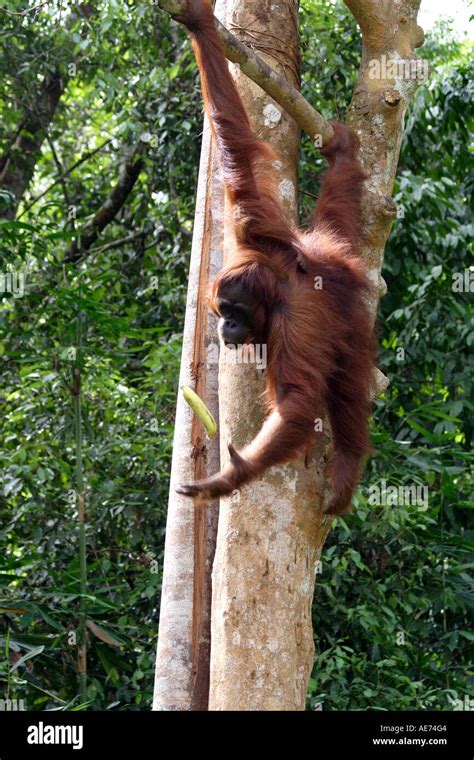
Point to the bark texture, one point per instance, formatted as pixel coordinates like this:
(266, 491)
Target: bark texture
(390, 34)
(182, 660)
(265, 75)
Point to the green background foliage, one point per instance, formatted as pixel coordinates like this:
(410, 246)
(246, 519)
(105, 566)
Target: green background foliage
(393, 598)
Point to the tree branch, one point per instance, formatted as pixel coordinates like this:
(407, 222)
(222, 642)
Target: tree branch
(390, 34)
(372, 15)
(60, 179)
(22, 13)
(18, 168)
(18, 165)
(61, 174)
(128, 175)
(362, 10)
(267, 78)
(117, 243)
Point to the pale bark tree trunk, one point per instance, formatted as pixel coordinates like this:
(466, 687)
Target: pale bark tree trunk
(182, 660)
(390, 33)
(270, 537)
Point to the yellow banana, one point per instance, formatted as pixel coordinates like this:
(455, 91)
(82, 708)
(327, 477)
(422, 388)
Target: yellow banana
(200, 410)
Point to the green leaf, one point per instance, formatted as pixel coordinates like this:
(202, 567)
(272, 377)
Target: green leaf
(28, 656)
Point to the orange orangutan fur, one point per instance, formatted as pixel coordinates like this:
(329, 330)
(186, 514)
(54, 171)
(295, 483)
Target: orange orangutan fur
(320, 340)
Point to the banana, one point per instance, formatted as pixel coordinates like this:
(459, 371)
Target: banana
(200, 410)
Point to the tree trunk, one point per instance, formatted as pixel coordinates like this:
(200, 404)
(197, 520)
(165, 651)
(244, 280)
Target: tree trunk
(270, 536)
(182, 660)
(18, 164)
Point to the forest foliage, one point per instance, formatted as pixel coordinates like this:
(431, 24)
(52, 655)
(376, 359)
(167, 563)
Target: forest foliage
(394, 595)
